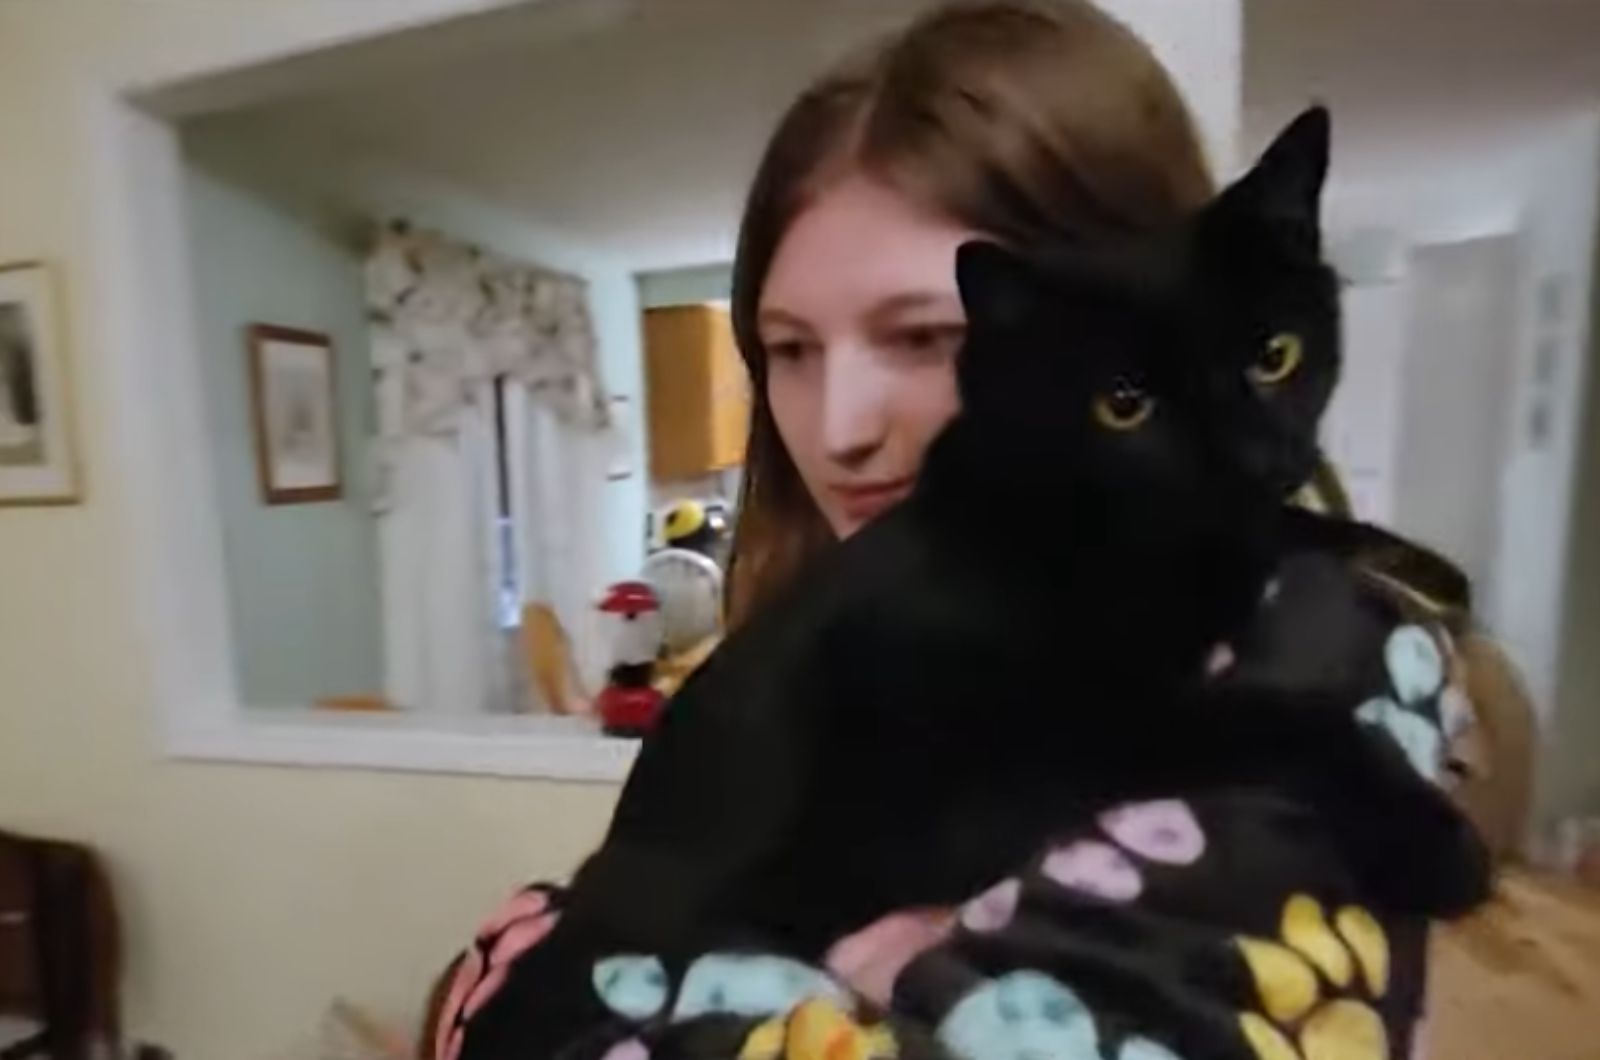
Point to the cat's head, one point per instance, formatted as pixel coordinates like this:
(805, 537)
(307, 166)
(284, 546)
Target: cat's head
(1171, 365)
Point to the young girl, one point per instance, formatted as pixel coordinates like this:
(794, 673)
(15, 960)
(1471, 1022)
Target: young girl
(1016, 122)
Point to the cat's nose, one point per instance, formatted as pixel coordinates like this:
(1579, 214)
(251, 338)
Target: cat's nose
(1277, 464)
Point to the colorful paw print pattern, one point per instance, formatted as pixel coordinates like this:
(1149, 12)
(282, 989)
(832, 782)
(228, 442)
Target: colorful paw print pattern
(1311, 983)
(518, 927)
(1162, 832)
(742, 984)
(764, 986)
(819, 1029)
(1416, 667)
(735, 984)
(1025, 1015)
(632, 985)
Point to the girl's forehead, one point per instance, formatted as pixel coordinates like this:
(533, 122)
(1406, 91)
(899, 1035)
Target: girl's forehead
(859, 243)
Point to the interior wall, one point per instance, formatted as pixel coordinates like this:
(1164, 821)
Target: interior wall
(685, 286)
(1360, 430)
(303, 579)
(332, 206)
(1454, 378)
(1570, 781)
(252, 896)
(1537, 192)
(1528, 596)
(1202, 45)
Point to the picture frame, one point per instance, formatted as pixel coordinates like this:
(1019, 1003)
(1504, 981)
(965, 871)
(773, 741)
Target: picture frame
(38, 446)
(294, 407)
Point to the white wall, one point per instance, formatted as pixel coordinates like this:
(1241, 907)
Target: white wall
(1539, 585)
(641, 137)
(1570, 783)
(1538, 192)
(1361, 429)
(1556, 244)
(252, 895)
(1459, 345)
(1553, 493)
(1202, 44)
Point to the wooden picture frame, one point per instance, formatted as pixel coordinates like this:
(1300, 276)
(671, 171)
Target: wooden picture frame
(294, 406)
(38, 446)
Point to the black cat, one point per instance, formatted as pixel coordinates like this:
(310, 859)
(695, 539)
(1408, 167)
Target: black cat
(1025, 640)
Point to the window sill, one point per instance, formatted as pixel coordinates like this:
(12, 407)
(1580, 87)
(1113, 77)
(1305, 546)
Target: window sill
(555, 748)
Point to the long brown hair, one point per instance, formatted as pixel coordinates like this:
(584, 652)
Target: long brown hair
(1024, 120)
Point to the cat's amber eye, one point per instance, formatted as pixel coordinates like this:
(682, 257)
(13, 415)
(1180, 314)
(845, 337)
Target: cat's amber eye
(1124, 408)
(1278, 359)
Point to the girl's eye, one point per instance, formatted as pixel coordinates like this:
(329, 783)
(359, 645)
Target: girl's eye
(1124, 408)
(929, 340)
(1278, 359)
(789, 350)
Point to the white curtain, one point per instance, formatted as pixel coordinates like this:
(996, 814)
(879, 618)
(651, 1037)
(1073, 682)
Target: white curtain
(447, 321)
(440, 630)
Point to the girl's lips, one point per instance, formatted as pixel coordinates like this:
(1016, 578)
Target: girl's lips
(864, 500)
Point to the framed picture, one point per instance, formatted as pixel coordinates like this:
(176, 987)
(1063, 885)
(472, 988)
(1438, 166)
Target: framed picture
(293, 403)
(38, 460)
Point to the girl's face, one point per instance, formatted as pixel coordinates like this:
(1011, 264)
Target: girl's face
(861, 321)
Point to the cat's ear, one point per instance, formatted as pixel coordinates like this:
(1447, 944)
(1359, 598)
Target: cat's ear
(1000, 289)
(1285, 186)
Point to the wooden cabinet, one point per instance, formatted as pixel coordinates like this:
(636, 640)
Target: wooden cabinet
(697, 394)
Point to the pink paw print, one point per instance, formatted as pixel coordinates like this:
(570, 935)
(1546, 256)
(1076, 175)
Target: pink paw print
(1093, 867)
(1163, 832)
(520, 925)
(994, 908)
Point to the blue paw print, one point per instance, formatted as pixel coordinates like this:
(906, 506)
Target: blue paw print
(631, 985)
(1021, 1016)
(1416, 668)
(738, 984)
(1027, 1015)
(750, 985)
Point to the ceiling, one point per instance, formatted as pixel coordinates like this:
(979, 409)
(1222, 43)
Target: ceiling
(1420, 84)
(637, 133)
(633, 124)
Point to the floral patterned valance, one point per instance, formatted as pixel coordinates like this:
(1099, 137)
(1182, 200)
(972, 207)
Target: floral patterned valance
(447, 316)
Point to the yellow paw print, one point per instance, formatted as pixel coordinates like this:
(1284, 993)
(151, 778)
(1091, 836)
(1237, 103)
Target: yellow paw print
(818, 1029)
(1290, 976)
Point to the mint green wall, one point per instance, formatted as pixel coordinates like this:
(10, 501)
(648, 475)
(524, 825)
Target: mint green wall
(686, 286)
(303, 581)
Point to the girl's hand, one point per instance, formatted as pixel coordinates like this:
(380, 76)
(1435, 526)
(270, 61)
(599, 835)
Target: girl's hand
(870, 960)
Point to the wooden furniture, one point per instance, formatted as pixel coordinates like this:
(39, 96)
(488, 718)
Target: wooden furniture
(60, 956)
(697, 391)
(366, 703)
(550, 663)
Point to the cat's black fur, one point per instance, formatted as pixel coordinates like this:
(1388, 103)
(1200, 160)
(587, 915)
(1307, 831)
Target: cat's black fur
(1023, 641)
